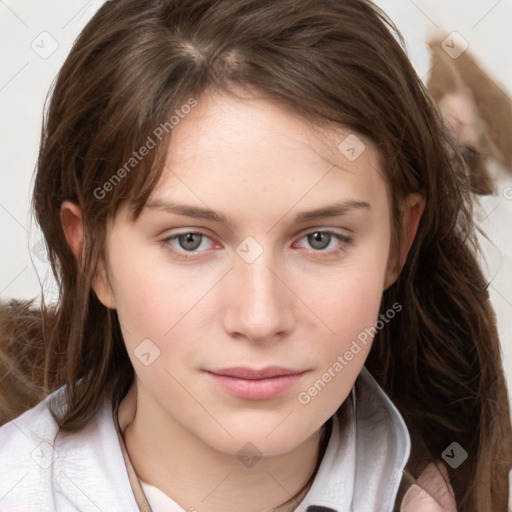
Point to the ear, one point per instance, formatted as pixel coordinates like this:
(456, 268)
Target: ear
(412, 208)
(72, 224)
(71, 219)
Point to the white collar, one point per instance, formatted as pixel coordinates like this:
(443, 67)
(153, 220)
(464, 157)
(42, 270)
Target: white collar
(362, 466)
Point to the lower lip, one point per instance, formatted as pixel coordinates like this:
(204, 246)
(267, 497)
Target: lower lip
(256, 389)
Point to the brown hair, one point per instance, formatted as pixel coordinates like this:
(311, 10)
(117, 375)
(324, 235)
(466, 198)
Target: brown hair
(138, 61)
(21, 356)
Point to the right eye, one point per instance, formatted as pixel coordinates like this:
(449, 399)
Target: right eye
(187, 244)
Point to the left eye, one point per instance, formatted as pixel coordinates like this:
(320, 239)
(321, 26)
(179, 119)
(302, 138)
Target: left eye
(320, 240)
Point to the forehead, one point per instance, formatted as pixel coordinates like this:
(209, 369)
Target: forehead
(232, 149)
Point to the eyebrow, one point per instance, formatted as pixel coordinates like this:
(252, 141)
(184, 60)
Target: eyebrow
(333, 210)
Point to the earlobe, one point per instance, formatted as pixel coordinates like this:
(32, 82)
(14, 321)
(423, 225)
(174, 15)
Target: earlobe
(412, 210)
(102, 287)
(72, 224)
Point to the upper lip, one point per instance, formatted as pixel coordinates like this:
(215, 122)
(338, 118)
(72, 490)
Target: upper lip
(242, 372)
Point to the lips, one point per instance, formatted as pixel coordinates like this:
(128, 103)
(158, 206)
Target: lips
(241, 372)
(256, 384)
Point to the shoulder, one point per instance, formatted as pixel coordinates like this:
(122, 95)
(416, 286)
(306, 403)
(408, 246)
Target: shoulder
(43, 468)
(33, 427)
(26, 451)
(431, 493)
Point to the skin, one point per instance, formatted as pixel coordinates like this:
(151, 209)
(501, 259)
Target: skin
(296, 305)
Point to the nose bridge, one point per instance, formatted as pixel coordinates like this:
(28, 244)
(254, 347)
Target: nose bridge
(259, 306)
(260, 282)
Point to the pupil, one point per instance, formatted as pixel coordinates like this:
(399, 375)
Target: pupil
(318, 240)
(189, 241)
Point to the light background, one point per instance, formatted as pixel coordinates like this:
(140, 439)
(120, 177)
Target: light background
(36, 35)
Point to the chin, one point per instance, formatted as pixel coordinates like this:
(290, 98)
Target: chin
(249, 449)
(260, 440)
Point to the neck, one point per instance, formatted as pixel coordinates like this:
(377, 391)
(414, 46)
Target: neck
(198, 477)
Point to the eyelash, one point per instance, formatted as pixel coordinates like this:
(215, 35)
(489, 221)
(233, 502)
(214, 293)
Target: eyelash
(187, 255)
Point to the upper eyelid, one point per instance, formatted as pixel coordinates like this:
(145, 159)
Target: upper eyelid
(321, 229)
(302, 233)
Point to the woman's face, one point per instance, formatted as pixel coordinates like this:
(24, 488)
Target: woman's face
(252, 332)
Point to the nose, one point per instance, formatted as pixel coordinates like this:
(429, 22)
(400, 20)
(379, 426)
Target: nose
(260, 306)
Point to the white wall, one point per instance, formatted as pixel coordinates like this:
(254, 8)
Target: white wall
(35, 37)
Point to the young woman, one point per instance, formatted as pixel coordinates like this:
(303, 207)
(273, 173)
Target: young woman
(270, 298)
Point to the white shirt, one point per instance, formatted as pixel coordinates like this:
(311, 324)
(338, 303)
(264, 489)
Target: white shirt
(44, 469)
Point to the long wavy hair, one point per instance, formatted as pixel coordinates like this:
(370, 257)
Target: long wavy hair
(137, 62)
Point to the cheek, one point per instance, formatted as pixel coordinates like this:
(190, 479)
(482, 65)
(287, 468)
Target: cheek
(140, 305)
(151, 298)
(160, 309)
(348, 300)
(350, 310)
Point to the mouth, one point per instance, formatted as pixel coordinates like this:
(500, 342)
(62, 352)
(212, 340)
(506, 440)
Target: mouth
(256, 384)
